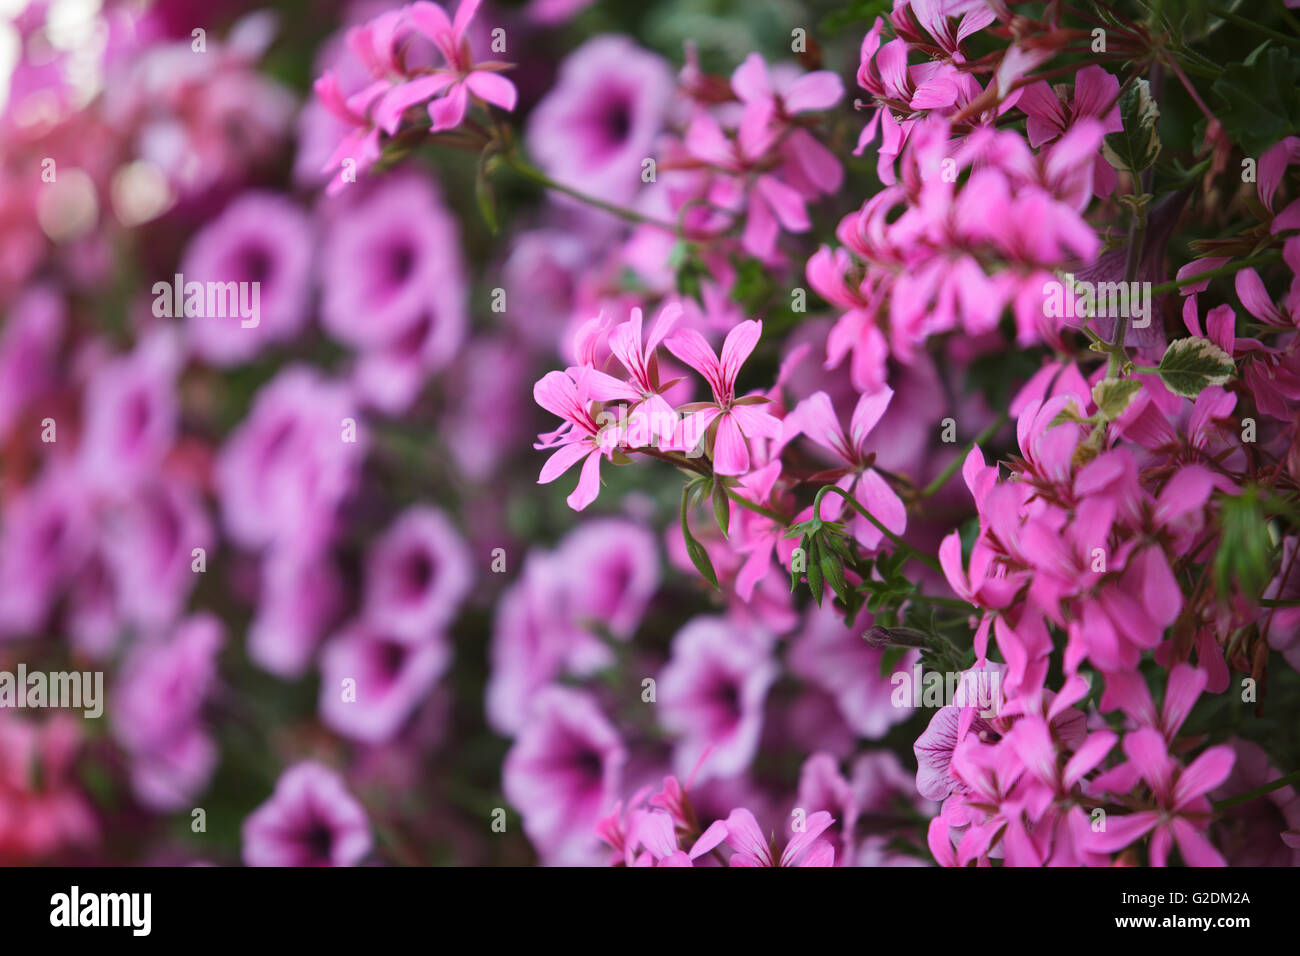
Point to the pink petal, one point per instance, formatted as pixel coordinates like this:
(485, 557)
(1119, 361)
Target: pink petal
(493, 88)
(739, 345)
(814, 91)
(730, 453)
(867, 413)
(1203, 774)
(564, 458)
(588, 485)
(448, 111)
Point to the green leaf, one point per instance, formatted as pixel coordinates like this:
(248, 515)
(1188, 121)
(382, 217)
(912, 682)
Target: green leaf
(487, 203)
(699, 556)
(1259, 105)
(814, 573)
(1242, 556)
(1137, 145)
(1192, 365)
(833, 572)
(721, 506)
(1113, 395)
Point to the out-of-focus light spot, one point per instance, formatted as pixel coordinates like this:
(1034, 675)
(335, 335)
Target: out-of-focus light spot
(68, 208)
(9, 49)
(140, 192)
(71, 23)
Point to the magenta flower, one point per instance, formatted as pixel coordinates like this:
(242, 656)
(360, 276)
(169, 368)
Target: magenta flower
(1096, 95)
(595, 126)
(47, 534)
(804, 849)
(29, 344)
(417, 574)
(461, 76)
(736, 418)
(579, 438)
(651, 419)
(263, 242)
(131, 414)
(394, 287)
(815, 417)
(711, 696)
(563, 774)
(837, 659)
(157, 717)
(390, 674)
(301, 595)
(1182, 811)
(286, 469)
(657, 832)
(149, 546)
(310, 820)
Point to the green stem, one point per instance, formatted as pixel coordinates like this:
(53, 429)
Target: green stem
(754, 507)
(531, 172)
(1249, 795)
(1136, 236)
(1249, 24)
(927, 560)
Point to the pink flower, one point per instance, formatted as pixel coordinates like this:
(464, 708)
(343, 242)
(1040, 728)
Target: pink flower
(595, 126)
(159, 696)
(417, 574)
(310, 820)
(285, 470)
(579, 438)
(651, 419)
(804, 849)
(711, 696)
(1182, 811)
(393, 287)
(42, 807)
(263, 242)
(657, 832)
(301, 595)
(838, 660)
(563, 774)
(736, 417)
(392, 675)
(460, 77)
(131, 414)
(1096, 94)
(815, 417)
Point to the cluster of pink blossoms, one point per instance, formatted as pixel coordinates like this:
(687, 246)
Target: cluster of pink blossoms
(1089, 574)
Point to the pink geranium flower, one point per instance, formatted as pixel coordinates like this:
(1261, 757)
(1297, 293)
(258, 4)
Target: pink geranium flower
(462, 75)
(805, 849)
(1181, 812)
(579, 438)
(815, 417)
(651, 418)
(736, 417)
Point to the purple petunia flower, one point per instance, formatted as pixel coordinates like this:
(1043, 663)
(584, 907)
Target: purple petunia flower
(391, 676)
(288, 466)
(310, 820)
(417, 574)
(394, 287)
(260, 238)
(563, 774)
(595, 127)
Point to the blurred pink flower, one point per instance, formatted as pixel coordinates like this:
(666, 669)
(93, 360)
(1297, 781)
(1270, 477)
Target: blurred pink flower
(563, 773)
(310, 820)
